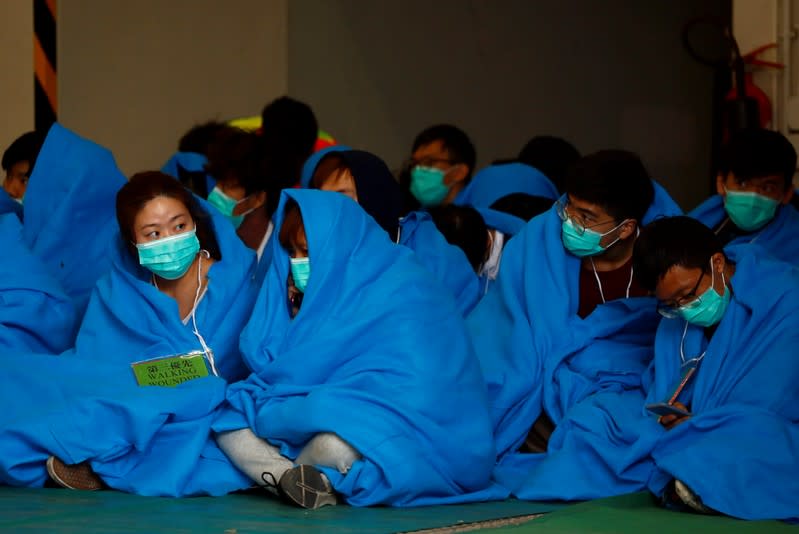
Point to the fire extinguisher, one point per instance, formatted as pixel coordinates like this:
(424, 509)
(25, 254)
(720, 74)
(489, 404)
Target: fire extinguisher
(754, 96)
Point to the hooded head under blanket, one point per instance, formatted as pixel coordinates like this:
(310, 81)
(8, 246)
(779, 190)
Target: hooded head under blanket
(35, 313)
(69, 210)
(497, 181)
(447, 263)
(378, 354)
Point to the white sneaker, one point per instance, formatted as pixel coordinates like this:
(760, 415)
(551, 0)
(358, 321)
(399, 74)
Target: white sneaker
(690, 498)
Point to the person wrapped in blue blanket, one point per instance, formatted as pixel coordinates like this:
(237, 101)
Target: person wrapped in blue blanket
(159, 292)
(18, 161)
(566, 283)
(180, 284)
(69, 211)
(497, 181)
(441, 165)
(365, 178)
(35, 312)
(491, 187)
(755, 188)
(362, 371)
(714, 425)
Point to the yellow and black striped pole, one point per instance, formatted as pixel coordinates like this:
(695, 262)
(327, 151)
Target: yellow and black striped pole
(44, 63)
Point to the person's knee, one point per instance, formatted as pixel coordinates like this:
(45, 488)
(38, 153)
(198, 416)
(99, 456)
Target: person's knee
(329, 450)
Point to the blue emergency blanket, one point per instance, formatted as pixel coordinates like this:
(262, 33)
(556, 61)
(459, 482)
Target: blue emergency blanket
(538, 356)
(737, 451)
(377, 354)
(508, 224)
(9, 205)
(308, 168)
(70, 211)
(85, 404)
(129, 319)
(778, 238)
(188, 162)
(78, 410)
(447, 263)
(35, 312)
(496, 181)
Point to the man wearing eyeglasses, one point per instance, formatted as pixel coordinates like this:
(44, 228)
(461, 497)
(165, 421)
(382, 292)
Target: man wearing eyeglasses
(441, 164)
(567, 317)
(726, 356)
(754, 186)
(713, 426)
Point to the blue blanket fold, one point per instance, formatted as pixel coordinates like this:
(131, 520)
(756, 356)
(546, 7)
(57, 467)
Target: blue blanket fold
(778, 237)
(9, 205)
(737, 451)
(309, 167)
(128, 319)
(85, 404)
(447, 263)
(189, 162)
(83, 410)
(537, 354)
(69, 210)
(508, 224)
(365, 358)
(496, 181)
(35, 312)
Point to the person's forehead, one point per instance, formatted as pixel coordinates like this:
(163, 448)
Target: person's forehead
(20, 167)
(761, 180)
(432, 149)
(677, 281)
(161, 208)
(585, 205)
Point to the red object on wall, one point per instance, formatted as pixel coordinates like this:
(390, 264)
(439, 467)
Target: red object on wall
(753, 91)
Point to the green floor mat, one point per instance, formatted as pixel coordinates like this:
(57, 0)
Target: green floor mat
(57, 510)
(637, 513)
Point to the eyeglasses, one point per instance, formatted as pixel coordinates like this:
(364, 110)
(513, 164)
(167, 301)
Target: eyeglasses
(426, 162)
(578, 221)
(756, 186)
(671, 309)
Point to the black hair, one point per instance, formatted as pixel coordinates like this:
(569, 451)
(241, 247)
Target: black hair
(144, 187)
(291, 124)
(672, 241)
(615, 180)
(756, 153)
(237, 154)
(463, 227)
(453, 140)
(26, 147)
(522, 205)
(553, 156)
(200, 137)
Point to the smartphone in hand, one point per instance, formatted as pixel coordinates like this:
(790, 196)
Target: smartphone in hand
(664, 408)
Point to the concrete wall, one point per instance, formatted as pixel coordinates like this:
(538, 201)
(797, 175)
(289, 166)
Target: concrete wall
(134, 76)
(602, 74)
(16, 64)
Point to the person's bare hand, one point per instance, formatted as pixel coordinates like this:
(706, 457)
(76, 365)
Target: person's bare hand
(669, 421)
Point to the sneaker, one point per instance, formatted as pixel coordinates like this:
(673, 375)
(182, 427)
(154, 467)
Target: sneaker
(307, 487)
(78, 477)
(690, 498)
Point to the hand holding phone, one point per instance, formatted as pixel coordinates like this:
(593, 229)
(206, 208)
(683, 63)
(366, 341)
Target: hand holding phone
(664, 408)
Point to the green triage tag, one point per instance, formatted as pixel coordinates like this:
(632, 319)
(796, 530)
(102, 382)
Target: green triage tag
(170, 370)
